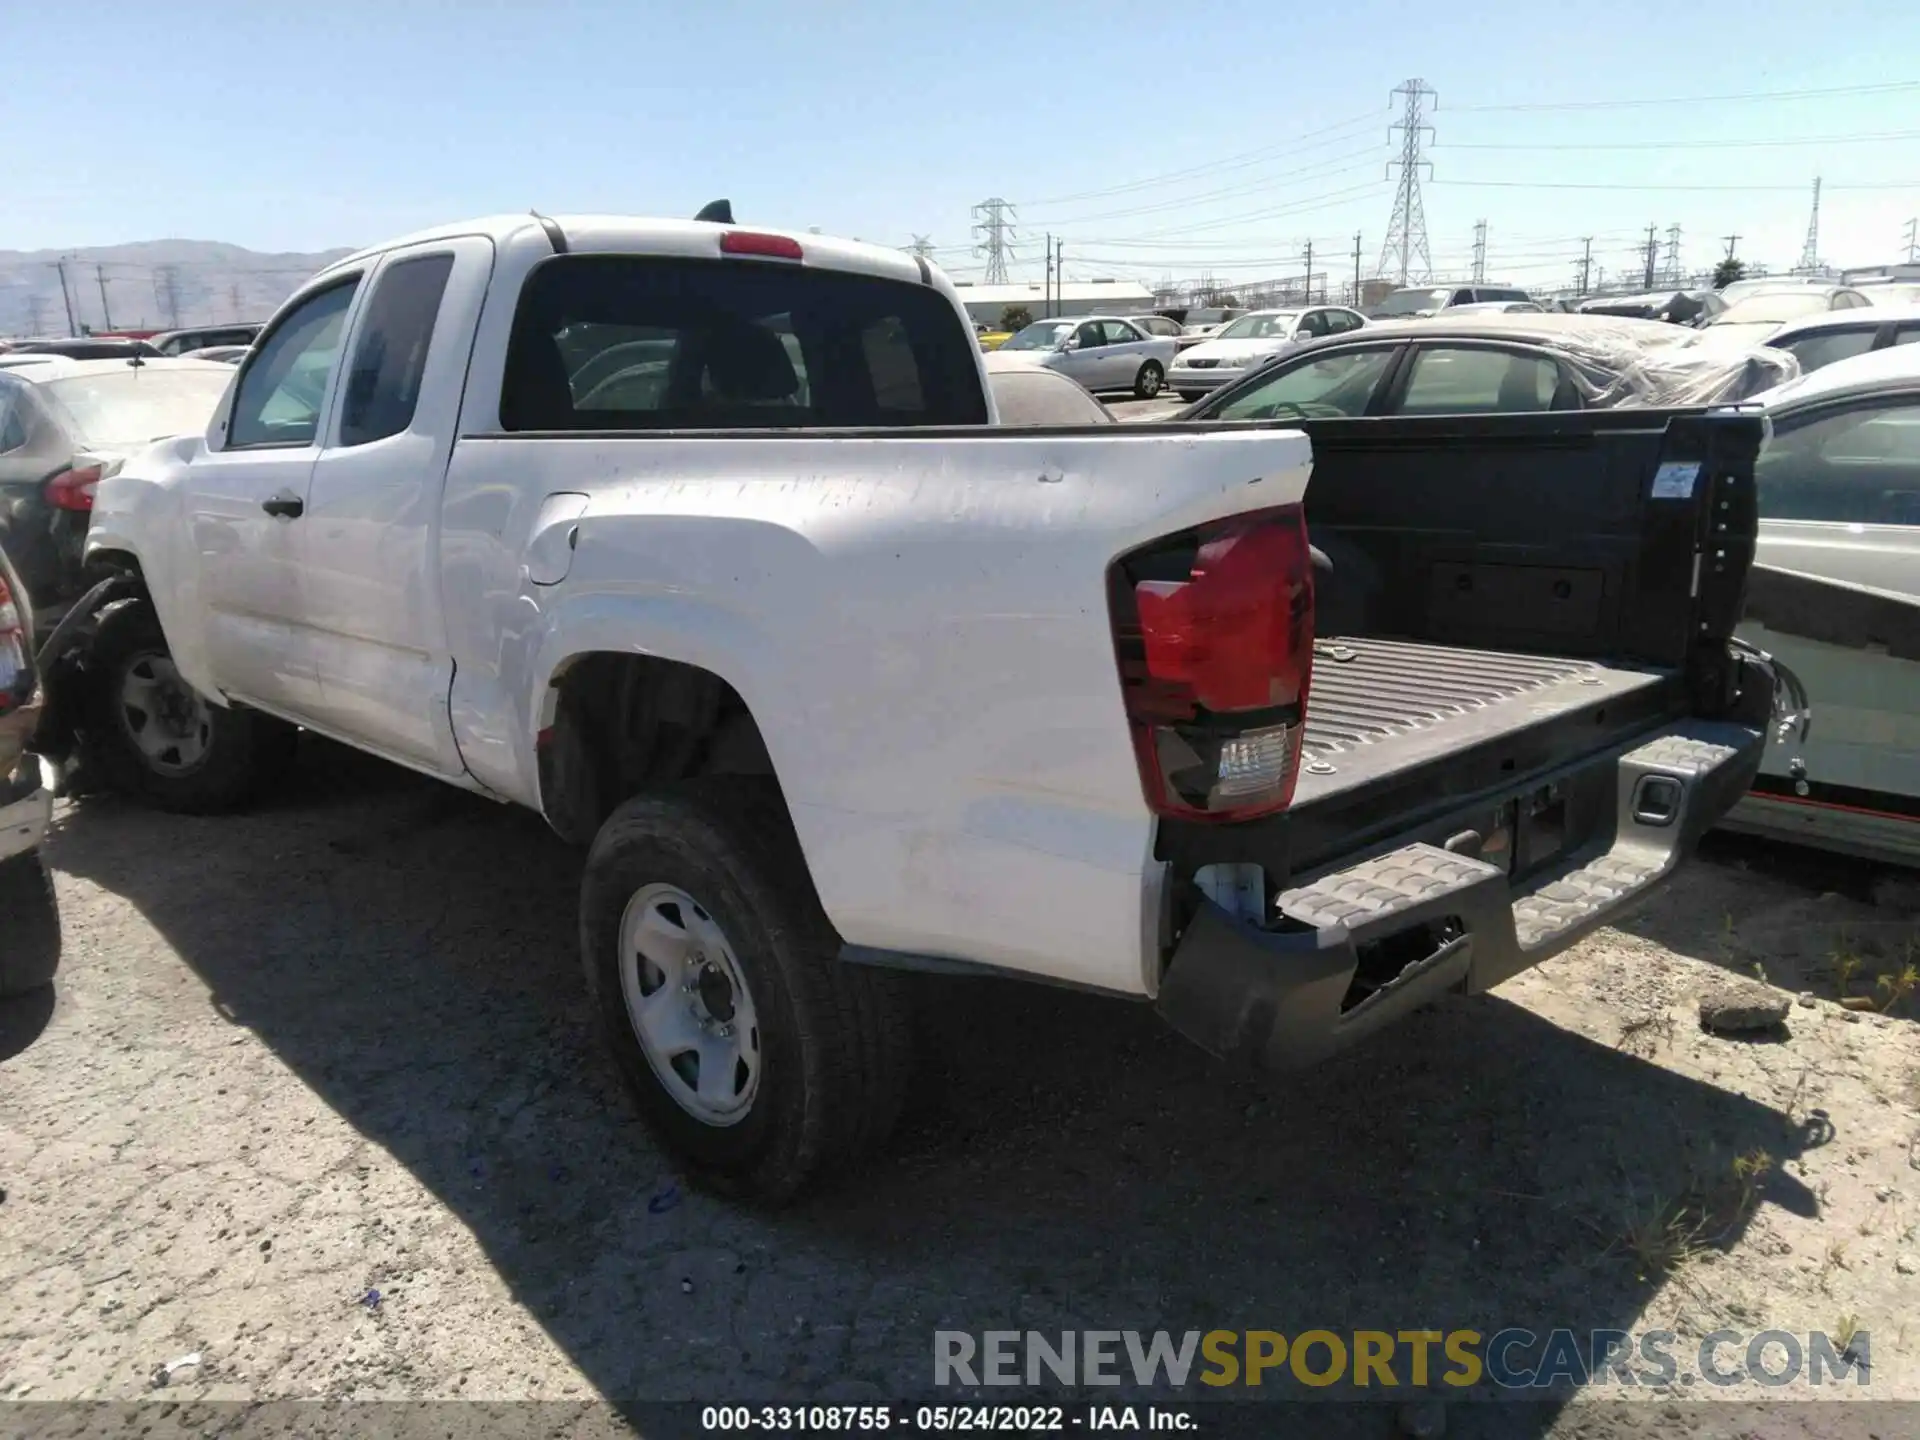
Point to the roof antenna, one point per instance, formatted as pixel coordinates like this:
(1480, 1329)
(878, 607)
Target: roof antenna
(716, 212)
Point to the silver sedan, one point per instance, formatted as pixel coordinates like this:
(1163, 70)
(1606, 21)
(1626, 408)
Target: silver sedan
(1103, 352)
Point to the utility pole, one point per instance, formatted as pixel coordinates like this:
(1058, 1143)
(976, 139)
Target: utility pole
(1356, 268)
(100, 274)
(1046, 302)
(36, 314)
(1586, 263)
(66, 296)
(1405, 249)
(993, 223)
(1309, 290)
(1479, 252)
(1653, 256)
(1731, 240)
(166, 289)
(233, 296)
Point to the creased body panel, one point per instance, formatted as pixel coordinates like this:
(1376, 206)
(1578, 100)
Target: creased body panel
(919, 626)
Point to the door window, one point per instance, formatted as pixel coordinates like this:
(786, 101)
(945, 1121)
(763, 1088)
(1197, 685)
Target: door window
(390, 353)
(1827, 346)
(1328, 387)
(1090, 337)
(1858, 466)
(1341, 321)
(1477, 381)
(285, 381)
(1119, 332)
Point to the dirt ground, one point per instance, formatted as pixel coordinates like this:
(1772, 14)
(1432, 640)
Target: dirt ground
(317, 1099)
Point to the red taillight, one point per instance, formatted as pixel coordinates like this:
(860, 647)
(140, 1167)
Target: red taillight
(752, 242)
(73, 490)
(1214, 632)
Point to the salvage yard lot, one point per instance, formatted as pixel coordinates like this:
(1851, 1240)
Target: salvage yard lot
(340, 1046)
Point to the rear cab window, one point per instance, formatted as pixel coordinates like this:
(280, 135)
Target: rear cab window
(639, 342)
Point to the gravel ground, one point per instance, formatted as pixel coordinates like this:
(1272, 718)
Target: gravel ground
(339, 1048)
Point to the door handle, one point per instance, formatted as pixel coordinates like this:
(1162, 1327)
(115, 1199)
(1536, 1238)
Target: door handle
(284, 507)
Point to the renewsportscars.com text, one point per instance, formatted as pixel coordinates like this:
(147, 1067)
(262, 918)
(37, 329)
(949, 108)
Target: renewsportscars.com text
(1511, 1359)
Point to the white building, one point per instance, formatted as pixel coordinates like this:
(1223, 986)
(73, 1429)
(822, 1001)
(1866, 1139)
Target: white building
(985, 303)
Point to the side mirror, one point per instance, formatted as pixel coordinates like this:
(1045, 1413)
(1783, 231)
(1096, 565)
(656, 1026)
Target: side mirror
(1072, 342)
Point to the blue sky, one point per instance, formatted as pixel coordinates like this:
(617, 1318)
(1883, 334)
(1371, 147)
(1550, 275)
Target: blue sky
(1219, 139)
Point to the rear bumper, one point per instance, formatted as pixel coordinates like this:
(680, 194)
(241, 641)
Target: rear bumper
(1285, 995)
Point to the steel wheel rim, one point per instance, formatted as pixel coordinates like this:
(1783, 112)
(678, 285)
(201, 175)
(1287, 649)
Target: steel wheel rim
(168, 721)
(689, 1006)
(1150, 382)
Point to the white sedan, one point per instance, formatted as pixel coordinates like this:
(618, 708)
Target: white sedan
(1250, 342)
(1102, 352)
(1839, 492)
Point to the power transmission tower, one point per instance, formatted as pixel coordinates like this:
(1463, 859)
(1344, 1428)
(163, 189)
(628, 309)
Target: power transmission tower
(1479, 252)
(1309, 290)
(993, 223)
(1810, 252)
(36, 315)
(166, 289)
(1586, 263)
(1671, 270)
(1405, 249)
(233, 296)
(1653, 255)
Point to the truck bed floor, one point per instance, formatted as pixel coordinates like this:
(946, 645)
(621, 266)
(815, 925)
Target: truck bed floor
(1377, 707)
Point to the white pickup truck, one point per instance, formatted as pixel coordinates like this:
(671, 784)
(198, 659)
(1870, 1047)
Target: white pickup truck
(702, 541)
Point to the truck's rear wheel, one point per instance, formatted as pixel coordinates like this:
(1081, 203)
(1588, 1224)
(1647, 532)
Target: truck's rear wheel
(154, 737)
(29, 925)
(754, 1054)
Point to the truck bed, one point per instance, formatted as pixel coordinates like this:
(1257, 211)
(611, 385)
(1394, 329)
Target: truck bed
(1382, 708)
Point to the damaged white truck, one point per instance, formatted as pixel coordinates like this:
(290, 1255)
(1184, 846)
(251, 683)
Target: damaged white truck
(702, 541)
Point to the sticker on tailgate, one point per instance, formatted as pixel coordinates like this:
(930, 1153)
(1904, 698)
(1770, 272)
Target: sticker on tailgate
(1674, 480)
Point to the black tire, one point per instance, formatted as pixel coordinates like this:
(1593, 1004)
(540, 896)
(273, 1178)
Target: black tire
(836, 1039)
(244, 749)
(1190, 396)
(29, 925)
(1147, 383)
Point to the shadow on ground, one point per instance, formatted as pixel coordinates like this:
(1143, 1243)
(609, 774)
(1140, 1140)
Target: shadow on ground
(409, 954)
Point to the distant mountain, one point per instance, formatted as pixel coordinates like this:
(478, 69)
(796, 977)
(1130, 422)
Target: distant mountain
(149, 285)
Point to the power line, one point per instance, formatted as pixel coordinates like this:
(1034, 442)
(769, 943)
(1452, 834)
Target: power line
(1406, 241)
(1307, 172)
(1856, 139)
(1583, 185)
(1888, 88)
(1227, 162)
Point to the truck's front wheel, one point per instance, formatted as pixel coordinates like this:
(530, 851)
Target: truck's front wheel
(752, 1051)
(156, 738)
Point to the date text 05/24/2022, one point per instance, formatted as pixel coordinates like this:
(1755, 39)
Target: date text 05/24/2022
(922, 1419)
